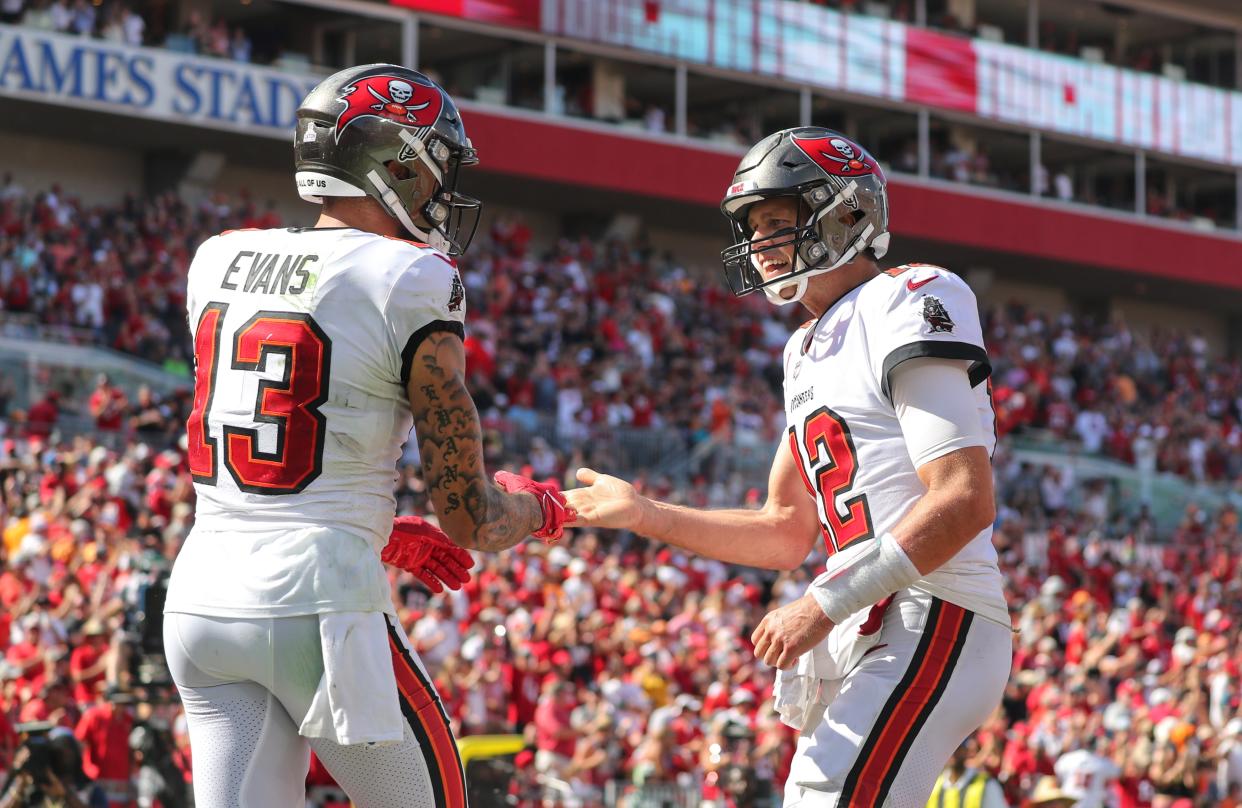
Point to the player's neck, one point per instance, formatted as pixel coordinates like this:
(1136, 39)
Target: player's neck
(356, 213)
(825, 290)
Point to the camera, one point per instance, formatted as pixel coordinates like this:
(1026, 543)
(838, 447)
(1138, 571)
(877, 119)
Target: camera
(738, 777)
(41, 760)
(144, 615)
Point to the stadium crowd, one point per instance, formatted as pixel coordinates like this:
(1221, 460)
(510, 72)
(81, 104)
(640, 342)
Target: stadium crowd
(122, 23)
(585, 337)
(1127, 643)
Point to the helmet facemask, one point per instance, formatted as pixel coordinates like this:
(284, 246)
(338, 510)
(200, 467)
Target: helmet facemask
(831, 231)
(420, 192)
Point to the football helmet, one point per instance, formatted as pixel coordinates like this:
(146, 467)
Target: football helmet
(843, 208)
(392, 134)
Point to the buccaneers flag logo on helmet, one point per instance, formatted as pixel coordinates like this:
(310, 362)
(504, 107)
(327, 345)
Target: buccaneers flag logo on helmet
(838, 156)
(401, 101)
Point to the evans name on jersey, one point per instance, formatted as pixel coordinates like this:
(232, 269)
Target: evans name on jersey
(269, 273)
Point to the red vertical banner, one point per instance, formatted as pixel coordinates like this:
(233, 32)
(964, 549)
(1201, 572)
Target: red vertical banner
(941, 70)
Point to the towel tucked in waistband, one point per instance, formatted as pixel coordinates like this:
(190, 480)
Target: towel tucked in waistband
(803, 691)
(356, 701)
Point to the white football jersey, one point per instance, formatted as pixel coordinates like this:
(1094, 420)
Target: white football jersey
(303, 340)
(843, 428)
(1086, 777)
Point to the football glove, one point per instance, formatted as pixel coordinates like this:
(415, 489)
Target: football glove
(551, 501)
(421, 548)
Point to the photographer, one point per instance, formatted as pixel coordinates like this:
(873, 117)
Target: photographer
(142, 641)
(730, 764)
(47, 773)
(160, 782)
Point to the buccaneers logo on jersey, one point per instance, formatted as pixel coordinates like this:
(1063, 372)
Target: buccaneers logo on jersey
(457, 293)
(837, 156)
(936, 316)
(405, 102)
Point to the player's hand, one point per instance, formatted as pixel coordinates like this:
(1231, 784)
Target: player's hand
(551, 502)
(421, 548)
(606, 501)
(787, 633)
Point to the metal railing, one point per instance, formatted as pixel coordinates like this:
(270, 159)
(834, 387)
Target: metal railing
(31, 365)
(1165, 495)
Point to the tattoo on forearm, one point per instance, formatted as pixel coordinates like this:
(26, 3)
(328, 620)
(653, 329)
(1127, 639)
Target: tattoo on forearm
(451, 444)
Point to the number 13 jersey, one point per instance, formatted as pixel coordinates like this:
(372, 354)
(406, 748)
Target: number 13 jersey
(303, 340)
(843, 428)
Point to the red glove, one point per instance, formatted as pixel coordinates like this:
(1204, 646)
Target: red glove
(420, 547)
(551, 501)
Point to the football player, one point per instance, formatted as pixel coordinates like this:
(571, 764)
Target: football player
(886, 456)
(316, 349)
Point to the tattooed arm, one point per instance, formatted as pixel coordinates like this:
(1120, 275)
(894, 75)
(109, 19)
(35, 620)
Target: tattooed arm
(472, 511)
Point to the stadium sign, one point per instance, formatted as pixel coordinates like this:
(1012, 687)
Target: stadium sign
(147, 82)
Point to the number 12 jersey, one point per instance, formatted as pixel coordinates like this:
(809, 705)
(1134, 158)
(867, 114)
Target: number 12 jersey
(843, 429)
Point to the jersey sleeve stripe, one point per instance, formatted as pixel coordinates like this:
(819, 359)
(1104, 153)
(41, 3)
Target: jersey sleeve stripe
(416, 339)
(979, 370)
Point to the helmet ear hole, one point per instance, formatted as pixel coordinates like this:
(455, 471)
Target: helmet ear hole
(398, 171)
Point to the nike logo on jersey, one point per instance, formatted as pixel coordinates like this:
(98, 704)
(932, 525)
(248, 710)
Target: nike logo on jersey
(912, 285)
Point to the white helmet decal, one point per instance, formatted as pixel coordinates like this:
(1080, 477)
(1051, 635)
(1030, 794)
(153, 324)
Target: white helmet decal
(400, 91)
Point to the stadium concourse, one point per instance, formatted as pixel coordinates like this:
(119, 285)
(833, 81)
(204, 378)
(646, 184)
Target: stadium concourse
(625, 664)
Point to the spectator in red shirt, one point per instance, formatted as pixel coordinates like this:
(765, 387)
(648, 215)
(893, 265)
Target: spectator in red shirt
(555, 738)
(88, 664)
(41, 419)
(108, 405)
(104, 732)
(49, 705)
(8, 741)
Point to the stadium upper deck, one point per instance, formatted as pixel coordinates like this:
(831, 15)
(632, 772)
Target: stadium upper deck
(1066, 148)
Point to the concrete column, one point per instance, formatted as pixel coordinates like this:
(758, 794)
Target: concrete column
(1037, 146)
(924, 143)
(1237, 61)
(1237, 205)
(1140, 182)
(350, 47)
(409, 42)
(680, 83)
(549, 77)
(804, 106)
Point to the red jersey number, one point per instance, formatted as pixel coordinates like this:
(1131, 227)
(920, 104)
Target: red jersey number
(830, 447)
(291, 403)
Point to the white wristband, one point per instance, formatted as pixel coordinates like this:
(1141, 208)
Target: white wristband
(862, 575)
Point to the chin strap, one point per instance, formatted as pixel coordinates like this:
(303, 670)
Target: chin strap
(432, 238)
(800, 279)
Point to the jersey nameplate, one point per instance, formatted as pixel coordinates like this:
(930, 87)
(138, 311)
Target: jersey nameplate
(268, 273)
